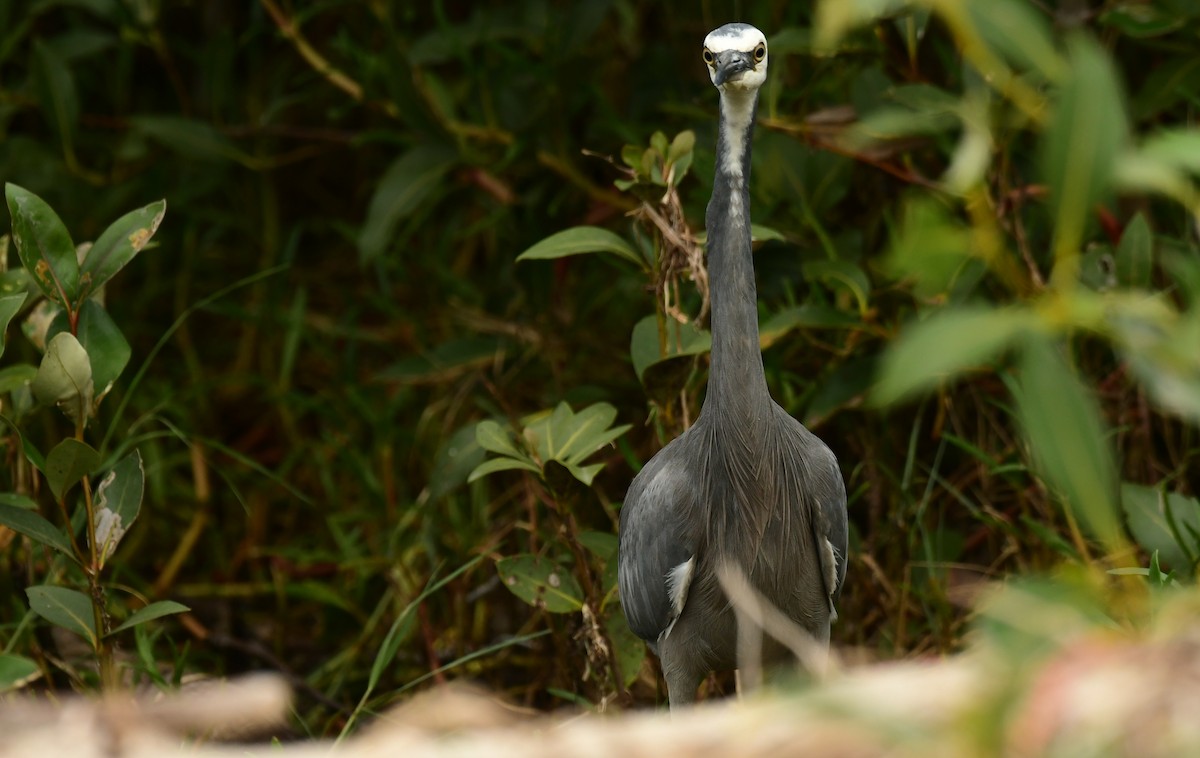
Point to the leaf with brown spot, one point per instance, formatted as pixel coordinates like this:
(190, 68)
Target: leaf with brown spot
(117, 245)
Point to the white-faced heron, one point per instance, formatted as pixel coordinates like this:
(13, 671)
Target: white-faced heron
(747, 483)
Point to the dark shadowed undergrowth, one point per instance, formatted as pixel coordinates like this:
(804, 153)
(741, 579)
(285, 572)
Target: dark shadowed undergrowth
(379, 452)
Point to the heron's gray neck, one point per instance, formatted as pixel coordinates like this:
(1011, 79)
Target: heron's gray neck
(737, 385)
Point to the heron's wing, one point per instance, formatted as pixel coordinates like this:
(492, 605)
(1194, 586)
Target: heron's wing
(656, 553)
(824, 493)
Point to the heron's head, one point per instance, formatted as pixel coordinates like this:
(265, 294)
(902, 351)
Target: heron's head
(736, 55)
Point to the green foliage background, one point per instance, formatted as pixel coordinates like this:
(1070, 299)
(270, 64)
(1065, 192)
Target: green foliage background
(369, 172)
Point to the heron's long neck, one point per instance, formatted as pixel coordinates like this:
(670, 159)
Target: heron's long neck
(737, 385)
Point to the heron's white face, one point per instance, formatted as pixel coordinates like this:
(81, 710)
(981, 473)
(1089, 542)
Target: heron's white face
(736, 55)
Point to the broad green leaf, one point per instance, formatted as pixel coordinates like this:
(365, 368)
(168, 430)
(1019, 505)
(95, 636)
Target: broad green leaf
(582, 239)
(842, 274)
(117, 245)
(67, 608)
(108, 351)
(31, 524)
(16, 377)
(683, 144)
(1068, 439)
(9, 305)
(16, 671)
(541, 583)
(496, 438)
(807, 316)
(493, 465)
(1178, 148)
(1079, 148)
(944, 345)
(630, 650)
(118, 501)
(44, 245)
(1164, 522)
(456, 458)
(18, 501)
(602, 544)
(645, 347)
(835, 18)
(584, 474)
(402, 189)
(1135, 254)
(149, 613)
(64, 377)
(67, 463)
(189, 137)
(1016, 30)
(55, 88)
(931, 248)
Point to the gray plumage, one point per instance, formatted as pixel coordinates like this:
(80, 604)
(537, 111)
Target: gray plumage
(747, 482)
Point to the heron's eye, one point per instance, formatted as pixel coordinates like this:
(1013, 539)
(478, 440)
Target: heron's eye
(760, 52)
(708, 57)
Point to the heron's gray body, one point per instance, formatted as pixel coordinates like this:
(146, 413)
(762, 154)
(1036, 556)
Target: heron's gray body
(747, 483)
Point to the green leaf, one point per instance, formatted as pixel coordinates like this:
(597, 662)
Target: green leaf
(107, 350)
(1062, 421)
(149, 613)
(116, 246)
(189, 137)
(9, 305)
(16, 377)
(602, 544)
(402, 189)
(681, 340)
(55, 87)
(65, 607)
(493, 465)
(582, 239)
(835, 18)
(1178, 148)
(807, 316)
(1135, 254)
(16, 500)
(494, 437)
(945, 344)
(118, 502)
(67, 463)
(683, 144)
(16, 671)
(1019, 33)
(842, 274)
(31, 524)
(64, 377)
(1080, 147)
(1164, 522)
(44, 245)
(931, 248)
(541, 583)
(630, 650)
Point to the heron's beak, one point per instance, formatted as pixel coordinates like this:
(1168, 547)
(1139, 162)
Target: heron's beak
(730, 66)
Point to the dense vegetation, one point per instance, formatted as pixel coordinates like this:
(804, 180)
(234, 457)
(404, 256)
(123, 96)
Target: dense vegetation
(979, 278)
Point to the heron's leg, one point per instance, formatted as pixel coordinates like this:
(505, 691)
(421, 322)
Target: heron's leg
(682, 678)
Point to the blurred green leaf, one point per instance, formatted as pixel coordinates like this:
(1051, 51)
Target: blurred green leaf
(807, 316)
(1135, 254)
(834, 18)
(64, 607)
(155, 610)
(492, 465)
(16, 671)
(945, 344)
(189, 137)
(842, 274)
(1069, 441)
(404, 186)
(1163, 522)
(1086, 134)
(541, 583)
(44, 245)
(931, 248)
(1019, 32)
(117, 245)
(582, 239)
(57, 93)
(629, 649)
(31, 524)
(1140, 19)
